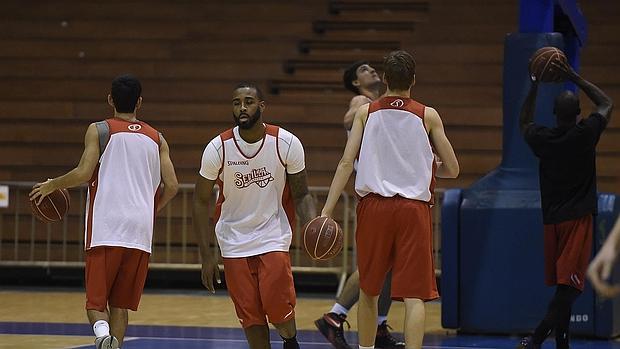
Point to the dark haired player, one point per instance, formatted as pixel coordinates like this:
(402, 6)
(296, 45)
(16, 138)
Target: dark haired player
(124, 162)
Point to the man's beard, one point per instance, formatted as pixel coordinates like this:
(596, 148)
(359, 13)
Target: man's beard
(253, 119)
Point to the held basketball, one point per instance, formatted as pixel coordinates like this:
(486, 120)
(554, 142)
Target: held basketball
(323, 238)
(53, 207)
(540, 66)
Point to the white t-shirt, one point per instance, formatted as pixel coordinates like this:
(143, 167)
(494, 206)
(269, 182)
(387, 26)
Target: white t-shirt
(290, 148)
(252, 179)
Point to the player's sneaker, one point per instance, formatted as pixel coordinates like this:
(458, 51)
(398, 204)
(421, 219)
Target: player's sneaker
(290, 344)
(106, 342)
(331, 326)
(527, 343)
(385, 339)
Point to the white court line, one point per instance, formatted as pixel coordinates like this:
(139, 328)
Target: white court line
(127, 339)
(443, 347)
(314, 343)
(223, 340)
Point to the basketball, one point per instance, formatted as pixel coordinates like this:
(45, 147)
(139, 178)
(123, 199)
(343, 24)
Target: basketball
(323, 238)
(53, 207)
(540, 63)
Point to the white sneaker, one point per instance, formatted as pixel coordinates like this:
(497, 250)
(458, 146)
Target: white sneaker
(106, 342)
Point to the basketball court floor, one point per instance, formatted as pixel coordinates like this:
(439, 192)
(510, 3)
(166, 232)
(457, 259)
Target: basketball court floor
(43, 318)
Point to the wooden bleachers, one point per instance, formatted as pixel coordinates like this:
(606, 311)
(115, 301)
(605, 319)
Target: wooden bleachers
(57, 60)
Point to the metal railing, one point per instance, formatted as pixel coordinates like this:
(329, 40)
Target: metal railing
(24, 241)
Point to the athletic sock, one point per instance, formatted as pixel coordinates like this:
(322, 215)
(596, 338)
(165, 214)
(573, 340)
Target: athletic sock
(381, 319)
(101, 328)
(339, 309)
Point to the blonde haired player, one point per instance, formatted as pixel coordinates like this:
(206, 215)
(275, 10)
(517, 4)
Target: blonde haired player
(361, 79)
(395, 178)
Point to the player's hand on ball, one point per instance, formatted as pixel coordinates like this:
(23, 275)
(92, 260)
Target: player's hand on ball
(41, 190)
(563, 70)
(210, 269)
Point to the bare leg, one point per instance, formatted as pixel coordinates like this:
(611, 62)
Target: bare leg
(94, 316)
(258, 336)
(350, 292)
(288, 332)
(367, 319)
(415, 316)
(118, 323)
(287, 329)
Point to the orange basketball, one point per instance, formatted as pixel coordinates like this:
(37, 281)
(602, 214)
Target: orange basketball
(540, 64)
(53, 207)
(323, 238)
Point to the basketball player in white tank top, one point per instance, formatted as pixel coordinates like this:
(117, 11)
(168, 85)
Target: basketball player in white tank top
(386, 183)
(125, 165)
(361, 79)
(258, 168)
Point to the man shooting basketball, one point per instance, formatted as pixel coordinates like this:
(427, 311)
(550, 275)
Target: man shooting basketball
(124, 161)
(260, 170)
(567, 171)
(363, 80)
(395, 178)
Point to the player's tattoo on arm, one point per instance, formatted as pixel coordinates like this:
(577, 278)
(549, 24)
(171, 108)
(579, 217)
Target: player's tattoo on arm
(304, 202)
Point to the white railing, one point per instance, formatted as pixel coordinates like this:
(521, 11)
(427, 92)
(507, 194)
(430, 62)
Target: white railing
(24, 241)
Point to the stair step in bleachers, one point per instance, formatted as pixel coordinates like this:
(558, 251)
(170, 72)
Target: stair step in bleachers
(322, 26)
(433, 74)
(221, 69)
(382, 15)
(144, 10)
(339, 6)
(205, 31)
(307, 45)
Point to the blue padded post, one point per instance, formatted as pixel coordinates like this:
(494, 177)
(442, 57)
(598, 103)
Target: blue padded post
(450, 228)
(536, 16)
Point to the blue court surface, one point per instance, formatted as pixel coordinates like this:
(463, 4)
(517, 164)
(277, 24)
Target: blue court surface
(183, 337)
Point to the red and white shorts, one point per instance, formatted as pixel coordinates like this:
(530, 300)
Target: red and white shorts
(115, 276)
(261, 287)
(396, 234)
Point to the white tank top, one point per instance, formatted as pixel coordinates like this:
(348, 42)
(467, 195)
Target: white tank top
(396, 156)
(250, 212)
(120, 207)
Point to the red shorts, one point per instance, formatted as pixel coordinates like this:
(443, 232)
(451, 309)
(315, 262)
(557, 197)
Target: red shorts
(115, 276)
(261, 287)
(568, 247)
(396, 234)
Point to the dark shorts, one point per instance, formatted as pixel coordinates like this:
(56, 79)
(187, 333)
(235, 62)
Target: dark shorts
(568, 247)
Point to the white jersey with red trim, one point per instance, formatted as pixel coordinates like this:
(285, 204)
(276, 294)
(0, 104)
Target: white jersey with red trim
(396, 156)
(120, 209)
(254, 210)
